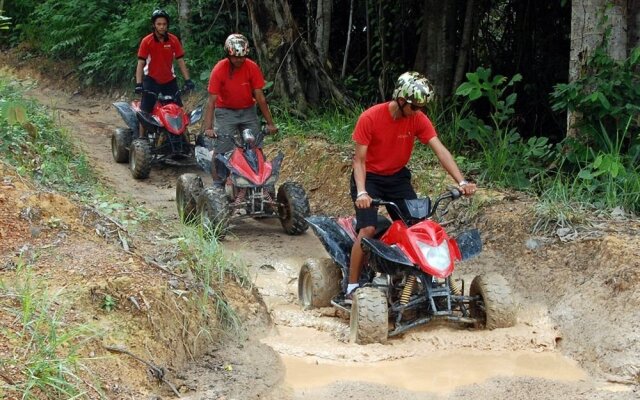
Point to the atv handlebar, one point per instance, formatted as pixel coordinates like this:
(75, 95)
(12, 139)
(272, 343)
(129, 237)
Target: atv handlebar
(452, 194)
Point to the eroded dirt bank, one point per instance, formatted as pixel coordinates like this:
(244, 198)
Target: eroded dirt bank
(578, 318)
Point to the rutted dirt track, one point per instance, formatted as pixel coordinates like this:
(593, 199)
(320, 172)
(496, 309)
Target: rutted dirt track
(306, 355)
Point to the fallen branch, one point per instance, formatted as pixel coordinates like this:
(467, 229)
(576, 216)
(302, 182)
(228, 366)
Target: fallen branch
(157, 372)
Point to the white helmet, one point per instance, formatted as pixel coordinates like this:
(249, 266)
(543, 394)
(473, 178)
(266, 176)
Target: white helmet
(236, 45)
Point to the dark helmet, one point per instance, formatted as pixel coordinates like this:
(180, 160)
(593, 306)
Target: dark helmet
(157, 14)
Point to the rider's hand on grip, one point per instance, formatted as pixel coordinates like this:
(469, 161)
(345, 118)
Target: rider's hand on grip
(138, 88)
(189, 85)
(272, 129)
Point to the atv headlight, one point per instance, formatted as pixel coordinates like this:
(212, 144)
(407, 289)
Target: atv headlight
(272, 180)
(438, 257)
(241, 182)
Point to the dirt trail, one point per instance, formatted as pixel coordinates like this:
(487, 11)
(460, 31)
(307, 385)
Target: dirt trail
(307, 353)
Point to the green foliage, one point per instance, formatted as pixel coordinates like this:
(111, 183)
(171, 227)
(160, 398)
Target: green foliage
(207, 263)
(606, 152)
(607, 96)
(70, 28)
(32, 143)
(108, 303)
(505, 156)
(332, 123)
(113, 60)
(48, 357)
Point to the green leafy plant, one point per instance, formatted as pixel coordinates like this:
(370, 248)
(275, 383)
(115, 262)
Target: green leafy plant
(506, 157)
(49, 358)
(109, 303)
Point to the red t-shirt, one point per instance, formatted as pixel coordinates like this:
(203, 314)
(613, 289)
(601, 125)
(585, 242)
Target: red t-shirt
(159, 56)
(235, 89)
(389, 141)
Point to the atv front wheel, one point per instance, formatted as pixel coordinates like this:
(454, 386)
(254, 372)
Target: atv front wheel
(213, 207)
(120, 141)
(369, 316)
(188, 189)
(318, 283)
(293, 208)
(140, 159)
(495, 308)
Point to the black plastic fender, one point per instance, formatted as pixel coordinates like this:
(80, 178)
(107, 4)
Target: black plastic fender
(128, 115)
(469, 243)
(389, 253)
(335, 240)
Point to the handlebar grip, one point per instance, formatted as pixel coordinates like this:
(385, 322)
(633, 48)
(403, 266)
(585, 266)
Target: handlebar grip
(455, 193)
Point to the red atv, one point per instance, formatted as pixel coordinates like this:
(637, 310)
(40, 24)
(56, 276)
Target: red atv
(168, 139)
(249, 190)
(407, 279)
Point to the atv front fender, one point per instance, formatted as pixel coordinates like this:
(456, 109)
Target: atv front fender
(128, 115)
(335, 240)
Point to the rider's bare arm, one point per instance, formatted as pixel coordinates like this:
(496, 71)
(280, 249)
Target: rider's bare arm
(449, 164)
(140, 70)
(363, 200)
(264, 108)
(183, 68)
(207, 124)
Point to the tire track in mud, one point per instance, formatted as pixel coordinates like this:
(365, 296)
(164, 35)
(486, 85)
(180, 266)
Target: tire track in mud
(320, 337)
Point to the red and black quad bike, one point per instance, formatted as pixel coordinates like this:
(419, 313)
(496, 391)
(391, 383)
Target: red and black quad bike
(249, 191)
(167, 137)
(407, 278)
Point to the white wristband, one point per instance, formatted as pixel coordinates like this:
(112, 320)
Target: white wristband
(360, 194)
(463, 182)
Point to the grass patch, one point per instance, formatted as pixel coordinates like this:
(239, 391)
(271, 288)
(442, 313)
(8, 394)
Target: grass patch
(44, 359)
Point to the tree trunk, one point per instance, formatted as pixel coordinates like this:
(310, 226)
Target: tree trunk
(617, 20)
(184, 11)
(436, 48)
(286, 57)
(463, 54)
(587, 33)
(634, 24)
(323, 29)
(346, 47)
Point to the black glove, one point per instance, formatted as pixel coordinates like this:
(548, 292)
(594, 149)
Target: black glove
(138, 88)
(189, 85)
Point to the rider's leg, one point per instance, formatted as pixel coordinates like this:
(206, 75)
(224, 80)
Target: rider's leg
(148, 100)
(225, 125)
(357, 255)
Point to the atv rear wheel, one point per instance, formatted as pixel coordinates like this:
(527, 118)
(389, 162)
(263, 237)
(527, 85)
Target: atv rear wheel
(495, 308)
(369, 316)
(213, 207)
(318, 282)
(293, 208)
(140, 159)
(120, 141)
(188, 190)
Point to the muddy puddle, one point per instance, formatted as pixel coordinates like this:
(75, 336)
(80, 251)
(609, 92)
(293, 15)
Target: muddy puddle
(439, 373)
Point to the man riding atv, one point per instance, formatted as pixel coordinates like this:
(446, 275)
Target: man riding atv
(384, 136)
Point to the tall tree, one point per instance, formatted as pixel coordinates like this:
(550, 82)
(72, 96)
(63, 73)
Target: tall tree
(323, 29)
(286, 56)
(184, 10)
(436, 48)
(634, 23)
(590, 19)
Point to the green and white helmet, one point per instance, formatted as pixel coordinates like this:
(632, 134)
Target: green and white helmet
(414, 88)
(236, 45)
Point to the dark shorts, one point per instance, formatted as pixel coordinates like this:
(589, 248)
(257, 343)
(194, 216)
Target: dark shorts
(229, 123)
(149, 100)
(396, 188)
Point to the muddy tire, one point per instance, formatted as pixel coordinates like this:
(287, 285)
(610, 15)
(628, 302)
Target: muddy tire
(293, 208)
(120, 141)
(188, 189)
(495, 308)
(213, 208)
(369, 316)
(318, 283)
(140, 159)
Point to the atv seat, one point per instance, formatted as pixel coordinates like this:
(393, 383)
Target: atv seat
(381, 227)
